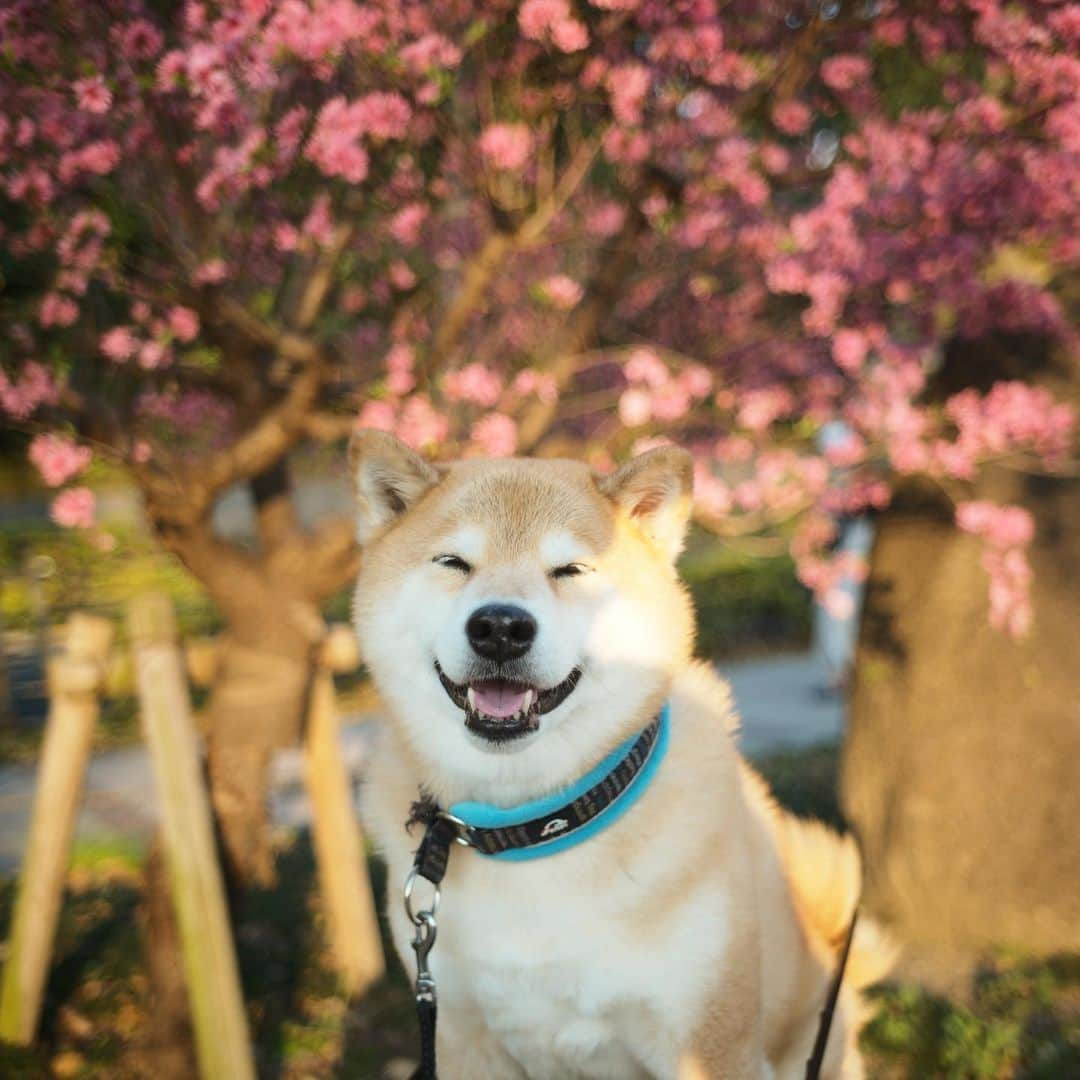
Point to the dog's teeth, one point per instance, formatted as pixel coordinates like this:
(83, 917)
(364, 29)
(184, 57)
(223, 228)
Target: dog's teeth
(470, 697)
(526, 705)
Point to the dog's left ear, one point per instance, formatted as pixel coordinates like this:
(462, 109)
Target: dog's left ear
(655, 490)
(390, 477)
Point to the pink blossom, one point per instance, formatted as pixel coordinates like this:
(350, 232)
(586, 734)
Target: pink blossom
(380, 415)
(405, 225)
(141, 40)
(563, 291)
(119, 343)
(319, 223)
(57, 459)
(430, 51)
(92, 94)
(184, 323)
(383, 115)
(212, 272)
(606, 219)
(333, 145)
(539, 19)
(286, 236)
(506, 146)
(399, 366)
(57, 310)
(495, 434)
(791, 117)
(629, 84)
(473, 383)
(74, 508)
(845, 71)
(540, 383)
(696, 380)
(570, 35)
(760, 408)
(774, 158)
(420, 425)
(98, 158)
(849, 349)
(154, 354)
(401, 275)
(644, 366)
(635, 406)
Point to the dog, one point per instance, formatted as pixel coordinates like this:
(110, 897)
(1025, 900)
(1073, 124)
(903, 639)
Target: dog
(522, 618)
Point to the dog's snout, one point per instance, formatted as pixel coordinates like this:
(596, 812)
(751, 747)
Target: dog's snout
(500, 631)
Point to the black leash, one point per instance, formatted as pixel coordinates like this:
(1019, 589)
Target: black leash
(817, 1057)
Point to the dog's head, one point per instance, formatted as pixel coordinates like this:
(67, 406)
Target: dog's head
(519, 616)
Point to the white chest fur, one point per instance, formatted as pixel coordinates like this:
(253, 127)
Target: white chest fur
(567, 963)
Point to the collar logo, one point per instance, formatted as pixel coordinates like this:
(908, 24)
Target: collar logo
(555, 825)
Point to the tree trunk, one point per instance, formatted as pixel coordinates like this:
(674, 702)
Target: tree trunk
(959, 771)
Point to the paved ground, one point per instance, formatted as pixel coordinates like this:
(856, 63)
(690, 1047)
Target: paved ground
(778, 697)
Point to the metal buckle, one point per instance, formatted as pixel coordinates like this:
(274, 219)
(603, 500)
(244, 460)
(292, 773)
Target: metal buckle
(463, 829)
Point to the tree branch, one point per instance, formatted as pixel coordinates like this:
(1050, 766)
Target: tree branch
(498, 247)
(613, 264)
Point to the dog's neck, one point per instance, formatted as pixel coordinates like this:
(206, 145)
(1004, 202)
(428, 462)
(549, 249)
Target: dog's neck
(507, 779)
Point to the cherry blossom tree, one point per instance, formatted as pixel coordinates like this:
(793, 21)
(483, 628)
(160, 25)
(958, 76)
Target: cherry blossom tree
(550, 227)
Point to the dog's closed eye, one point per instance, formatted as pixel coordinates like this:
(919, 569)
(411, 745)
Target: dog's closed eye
(569, 570)
(453, 562)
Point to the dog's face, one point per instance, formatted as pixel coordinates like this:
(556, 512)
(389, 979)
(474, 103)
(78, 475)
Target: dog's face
(519, 616)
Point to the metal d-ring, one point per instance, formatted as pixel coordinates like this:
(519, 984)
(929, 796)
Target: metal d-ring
(461, 828)
(417, 917)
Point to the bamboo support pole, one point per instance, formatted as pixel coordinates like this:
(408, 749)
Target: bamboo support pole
(217, 1007)
(339, 848)
(74, 679)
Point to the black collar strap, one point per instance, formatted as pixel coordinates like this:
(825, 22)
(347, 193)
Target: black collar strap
(548, 825)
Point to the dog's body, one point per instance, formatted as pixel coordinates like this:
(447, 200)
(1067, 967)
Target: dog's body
(521, 619)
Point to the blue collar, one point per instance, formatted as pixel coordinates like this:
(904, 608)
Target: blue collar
(568, 817)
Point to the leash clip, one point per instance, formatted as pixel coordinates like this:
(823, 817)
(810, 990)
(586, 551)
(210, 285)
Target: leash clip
(427, 928)
(426, 931)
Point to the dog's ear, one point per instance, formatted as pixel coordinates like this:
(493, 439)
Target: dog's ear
(654, 489)
(390, 477)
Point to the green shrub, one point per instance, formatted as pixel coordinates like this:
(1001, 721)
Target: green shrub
(745, 603)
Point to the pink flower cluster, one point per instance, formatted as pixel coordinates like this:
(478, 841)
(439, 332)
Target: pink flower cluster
(629, 84)
(474, 383)
(334, 145)
(57, 459)
(74, 508)
(654, 394)
(562, 291)
(506, 146)
(553, 20)
(1012, 415)
(495, 435)
(35, 386)
(1007, 531)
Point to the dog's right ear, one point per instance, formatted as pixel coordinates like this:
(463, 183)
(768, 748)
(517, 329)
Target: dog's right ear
(390, 477)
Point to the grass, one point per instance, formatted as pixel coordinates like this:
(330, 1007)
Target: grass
(1020, 1018)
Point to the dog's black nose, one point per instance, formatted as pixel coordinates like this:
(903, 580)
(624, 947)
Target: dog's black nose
(500, 631)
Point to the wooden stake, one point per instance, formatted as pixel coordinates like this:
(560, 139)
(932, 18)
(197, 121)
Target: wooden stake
(74, 679)
(339, 848)
(217, 1007)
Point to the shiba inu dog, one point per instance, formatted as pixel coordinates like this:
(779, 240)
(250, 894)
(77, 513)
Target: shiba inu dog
(521, 619)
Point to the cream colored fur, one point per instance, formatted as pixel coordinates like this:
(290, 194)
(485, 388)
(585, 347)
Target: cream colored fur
(696, 936)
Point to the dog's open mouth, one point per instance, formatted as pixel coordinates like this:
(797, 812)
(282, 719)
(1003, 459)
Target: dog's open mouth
(504, 709)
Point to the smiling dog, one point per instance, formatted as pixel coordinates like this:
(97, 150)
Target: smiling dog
(522, 620)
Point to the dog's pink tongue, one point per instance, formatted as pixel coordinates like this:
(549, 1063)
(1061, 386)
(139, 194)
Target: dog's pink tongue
(498, 699)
